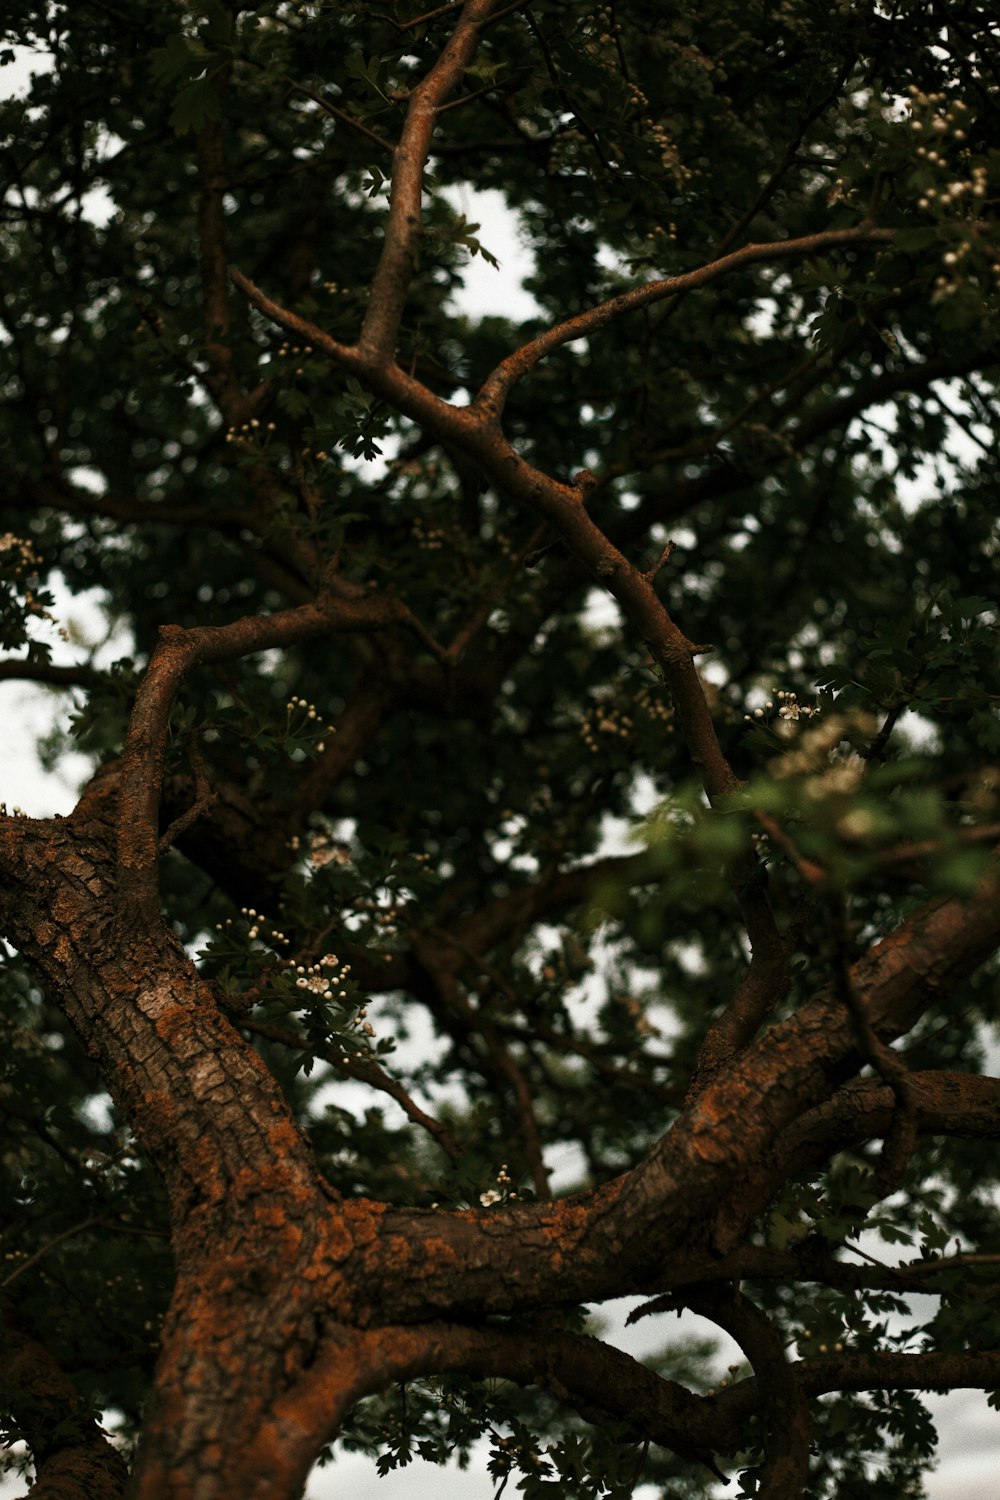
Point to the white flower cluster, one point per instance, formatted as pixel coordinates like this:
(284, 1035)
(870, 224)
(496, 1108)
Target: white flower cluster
(947, 125)
(790, 709)
(25, 558)
(249, 432)
(323, 977)
(605, 722)
(323, 848)
(963, 183)
(428, 538)
(608, 721)
(275, 938)
(297, 705)
(836, 1348)
(726, 1380)
(289, 351)
(663, 142)
(326, 978)
(826, 770)
(502, 1193)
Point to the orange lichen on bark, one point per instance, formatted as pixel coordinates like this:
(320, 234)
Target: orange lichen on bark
(283, 1138)
(439, 1252)
(337, 1239)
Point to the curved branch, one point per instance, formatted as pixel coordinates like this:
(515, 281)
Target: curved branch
(453, 424)
(786, 1412)
(493, 393)
(691, 1198)
(179, 651)
(593, 1377)
(740, 1116)
(962, 1105)
(589, 1375)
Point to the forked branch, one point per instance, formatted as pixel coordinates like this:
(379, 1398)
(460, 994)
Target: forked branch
(178, 653)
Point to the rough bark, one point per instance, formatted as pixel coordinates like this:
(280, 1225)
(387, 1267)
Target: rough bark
(290, 1304)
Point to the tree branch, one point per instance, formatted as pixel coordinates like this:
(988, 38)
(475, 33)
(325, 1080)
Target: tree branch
(976, 1370)
(785, 1410)
(495, 1060)
(178, 653)
(901, 1137)
(46, 673)
(493, 393)
(367, 1070)
(221, 379)
(404, 227)
(74, 1459)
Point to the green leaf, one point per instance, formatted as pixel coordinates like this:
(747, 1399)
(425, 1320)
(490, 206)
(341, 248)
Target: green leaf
(179, 58)
(195, 105)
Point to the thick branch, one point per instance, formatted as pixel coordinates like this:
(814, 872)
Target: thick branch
(692, 1197)
(74, 1459)
(594, 1378)
(404, 226)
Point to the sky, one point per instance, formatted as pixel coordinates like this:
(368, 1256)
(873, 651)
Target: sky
(969, 1432)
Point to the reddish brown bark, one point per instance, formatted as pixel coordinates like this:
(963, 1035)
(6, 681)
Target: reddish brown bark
(300, 1303)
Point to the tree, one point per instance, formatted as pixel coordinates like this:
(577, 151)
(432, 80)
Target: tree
(339, 951)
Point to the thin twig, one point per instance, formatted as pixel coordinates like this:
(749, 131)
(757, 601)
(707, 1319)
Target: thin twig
(443, 10)
(462, 637)
(876, 750)
(43, 1250)
(901, 1139)
(366, 1070)
(498, 1062)
(812, 873)
(660, 563)
(430, 15)
(340, 114)
(204, 798)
